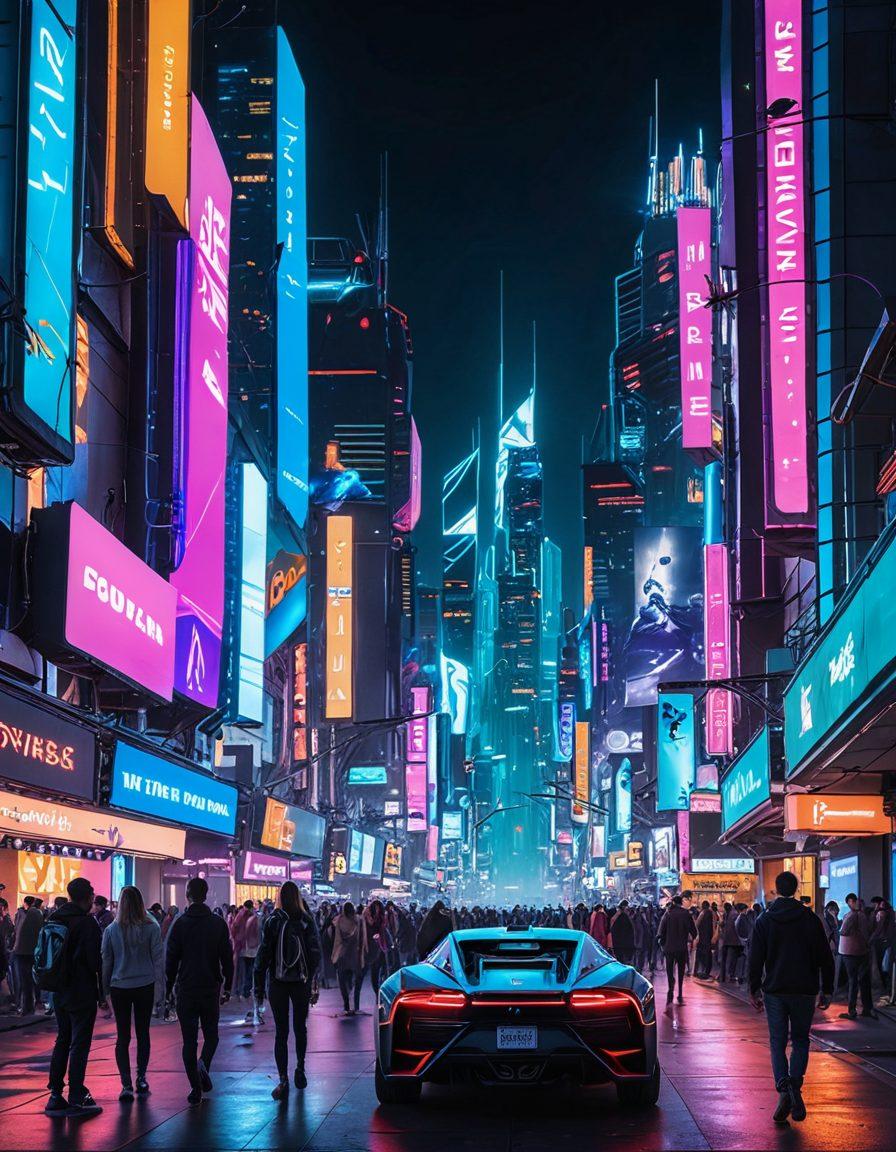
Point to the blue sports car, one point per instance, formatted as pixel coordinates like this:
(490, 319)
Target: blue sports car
(517, 1006)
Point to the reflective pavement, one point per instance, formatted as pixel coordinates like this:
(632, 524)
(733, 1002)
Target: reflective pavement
(717, 1093)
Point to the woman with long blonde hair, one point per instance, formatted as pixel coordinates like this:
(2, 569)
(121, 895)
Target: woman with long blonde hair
(133, 979)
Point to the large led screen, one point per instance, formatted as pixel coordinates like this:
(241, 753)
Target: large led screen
(287, 828)
(665, 638)
(747, 783)
(252, 594)
(676, 752)
(155, 786)
(201, 415)
(695, 328)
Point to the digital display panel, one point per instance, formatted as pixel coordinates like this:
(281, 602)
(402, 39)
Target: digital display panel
(287, 828)
(582, 774)
(747, 784)
(717, 646)
(254, 501)
(155, 786)
(292, 287)
(622, 797)
(695, 327)
(48, 371)
(339, 650)
(362, 774)
(665, 638)
(168, 103)
(201, 423)
(844, 877)
(452, 825)
(676, 751)
(787, 269)
(409, 513)
(45, 751)
(365, 854)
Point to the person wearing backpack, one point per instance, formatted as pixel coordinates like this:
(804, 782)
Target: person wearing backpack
(346, 956)
(68, 963)
(199, 962)
(289, 958)
(132, 975)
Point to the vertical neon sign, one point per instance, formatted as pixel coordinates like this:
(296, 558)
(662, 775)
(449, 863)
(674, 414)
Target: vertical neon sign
(717, 644)
(695, 327)
(292, 288)
(417, 752)
(339, 652)
(48, 374)
(786, 242)
(201, 413)
(582, 779)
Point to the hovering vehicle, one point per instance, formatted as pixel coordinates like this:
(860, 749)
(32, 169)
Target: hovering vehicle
(517, 1006)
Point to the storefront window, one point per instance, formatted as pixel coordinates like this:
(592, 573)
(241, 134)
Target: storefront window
(803, 867)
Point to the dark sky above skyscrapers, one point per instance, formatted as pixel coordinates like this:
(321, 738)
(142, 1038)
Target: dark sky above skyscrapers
(517, 132)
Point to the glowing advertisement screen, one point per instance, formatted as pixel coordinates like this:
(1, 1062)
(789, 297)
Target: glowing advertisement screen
(665, 638)
(417, 728)
(48, 374)
(168, 102)
(676, 752)
(409, 513)
(567, 725)
(44, 751)
(417, 752)
(747, 783)
(287, 828)
(455, 692)
(154, 786)
(786, 240)
(252, 593)
(339, 618)
(717, 646)
(582, 774)
(292, 288)
(622, 797)
(201, 414)
(695, 327)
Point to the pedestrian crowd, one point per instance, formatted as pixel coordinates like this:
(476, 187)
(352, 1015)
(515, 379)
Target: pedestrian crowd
(85, 955)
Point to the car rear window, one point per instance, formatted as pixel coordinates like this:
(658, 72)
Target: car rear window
(526, 953)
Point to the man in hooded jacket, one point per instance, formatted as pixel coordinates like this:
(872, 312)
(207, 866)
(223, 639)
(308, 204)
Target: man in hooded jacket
(789, 954)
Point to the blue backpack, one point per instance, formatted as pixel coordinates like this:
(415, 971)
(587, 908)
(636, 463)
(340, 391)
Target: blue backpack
(50, 957)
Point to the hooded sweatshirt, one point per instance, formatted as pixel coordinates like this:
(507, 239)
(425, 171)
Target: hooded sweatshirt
(790, 944)
(83, 962)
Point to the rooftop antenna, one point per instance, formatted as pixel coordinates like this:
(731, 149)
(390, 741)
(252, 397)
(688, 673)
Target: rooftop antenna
(382, 253)
(653, 148)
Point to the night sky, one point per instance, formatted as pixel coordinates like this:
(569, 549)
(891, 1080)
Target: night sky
(517, 135)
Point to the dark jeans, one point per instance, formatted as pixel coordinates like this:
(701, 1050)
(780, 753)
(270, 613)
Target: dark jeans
(858, 973)
(140, 1001)
(675, 960)
(703, 960)
(348, 977)
(72, 1047)
(243, 979)
(281, 994)
(789, 1016)
(195, 1010)
(24, 983)
(731, 953)
(377, 973)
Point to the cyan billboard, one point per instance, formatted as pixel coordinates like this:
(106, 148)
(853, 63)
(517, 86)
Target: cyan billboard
(154, 786)
(747, 783)
(676, 751)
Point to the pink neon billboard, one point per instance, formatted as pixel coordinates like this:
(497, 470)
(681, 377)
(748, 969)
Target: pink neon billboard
(409, 513)
(695, 327)
(418, 726)
(201, 413)
(788, 468)
(118, 610)
(717, 646)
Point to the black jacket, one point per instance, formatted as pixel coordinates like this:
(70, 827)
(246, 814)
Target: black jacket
(198, 954)
(790, 944)
(83, 957)
(266, 957)
(622, 931)
(677, 927)
(435, 927)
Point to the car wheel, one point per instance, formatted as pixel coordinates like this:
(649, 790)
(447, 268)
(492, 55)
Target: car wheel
(643, 1095)
(395, 1091)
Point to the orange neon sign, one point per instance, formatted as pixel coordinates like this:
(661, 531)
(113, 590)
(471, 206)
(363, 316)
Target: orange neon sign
(827, 814)
(340, 548)
(167, 102)
(582, 788)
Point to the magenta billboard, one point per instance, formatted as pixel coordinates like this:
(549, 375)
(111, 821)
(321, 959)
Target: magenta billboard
(100, 599)
(695, 328)
(409, 513)
(417, 730)
(787, 466)
(717, 645)
(201, 420)
(418, 726)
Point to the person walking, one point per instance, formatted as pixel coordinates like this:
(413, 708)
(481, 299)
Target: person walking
(377, 943)
(597, 927)
(732, 948)
(238, 924)
(28, 924)
(789, 955)
(346, 956)
(289, 960)
(883, 927)
(677, 929)
(199, 963)
(77, 991)
(622, 934)
(133, 979)
(855, 948)
(436, 925)
(251, 942)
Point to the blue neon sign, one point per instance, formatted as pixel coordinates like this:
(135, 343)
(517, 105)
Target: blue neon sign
(747, 783)
(292, 288)
(154, 786)
(49, 216)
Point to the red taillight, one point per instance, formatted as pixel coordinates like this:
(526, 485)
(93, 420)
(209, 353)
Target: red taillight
(599, 1000)
(439, 1001)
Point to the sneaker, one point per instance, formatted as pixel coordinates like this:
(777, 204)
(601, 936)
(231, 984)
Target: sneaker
(195, 1096)
(681, 999)
(57, 1105)
(142, 1086)
(784, 1103)
(257, 1018)
(86, 1106)
(300, 1079)
(281, 1091)
(849, 1016)
(127, 1092)
(797, 1103)
(205, 1081)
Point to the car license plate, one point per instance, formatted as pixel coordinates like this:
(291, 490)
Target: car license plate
(517, 1038)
